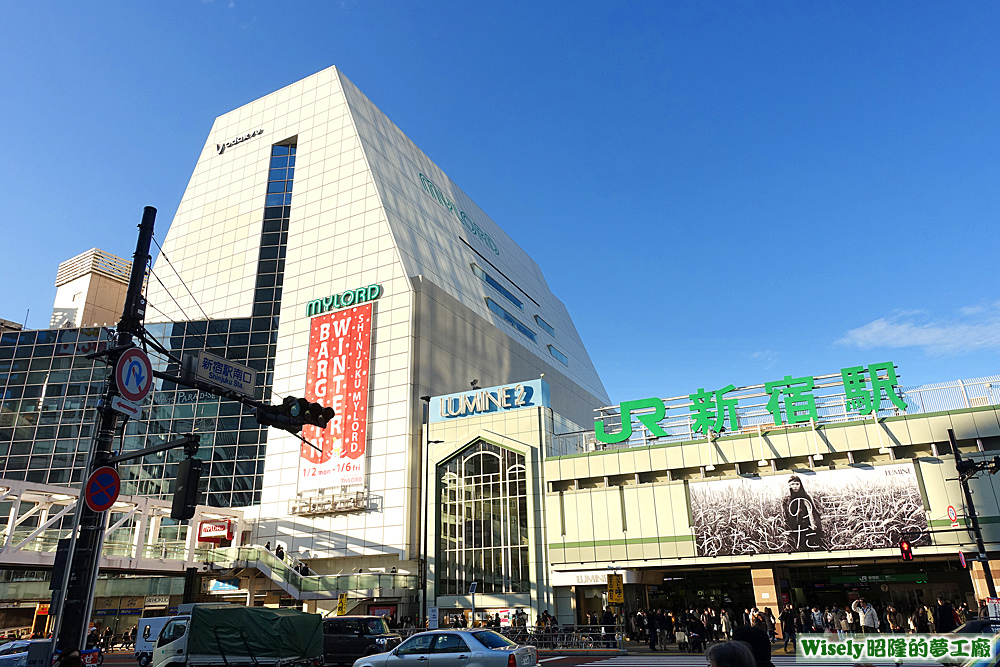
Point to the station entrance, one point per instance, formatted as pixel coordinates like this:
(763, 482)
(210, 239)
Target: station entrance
(903, 585)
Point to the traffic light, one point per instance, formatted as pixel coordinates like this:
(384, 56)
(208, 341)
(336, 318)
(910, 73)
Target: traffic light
(293, 414)
(905, 550)
(186, 489)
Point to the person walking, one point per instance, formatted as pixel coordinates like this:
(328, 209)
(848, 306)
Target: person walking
(769, 622)
(652, 629)
(867, 616)
(944, 617)
(787, 620)
(726, 625)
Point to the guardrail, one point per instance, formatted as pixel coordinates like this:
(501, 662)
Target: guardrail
(556, 637)
(283, 571)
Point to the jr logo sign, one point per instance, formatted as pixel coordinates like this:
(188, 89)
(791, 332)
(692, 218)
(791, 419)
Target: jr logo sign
(337, 377)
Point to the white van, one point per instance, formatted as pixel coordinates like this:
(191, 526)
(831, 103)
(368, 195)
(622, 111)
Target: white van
(147, 631)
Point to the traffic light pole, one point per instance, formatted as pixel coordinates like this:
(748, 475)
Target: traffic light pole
(971, 507)
(76, 597)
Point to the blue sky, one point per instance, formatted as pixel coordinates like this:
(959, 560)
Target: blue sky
(720, 192)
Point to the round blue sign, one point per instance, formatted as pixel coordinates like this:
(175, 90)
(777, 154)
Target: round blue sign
(102, 488)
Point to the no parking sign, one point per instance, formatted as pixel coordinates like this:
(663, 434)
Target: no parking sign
(102, 489)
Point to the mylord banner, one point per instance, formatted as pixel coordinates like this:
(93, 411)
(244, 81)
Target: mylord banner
(831, 510)
(337, 376)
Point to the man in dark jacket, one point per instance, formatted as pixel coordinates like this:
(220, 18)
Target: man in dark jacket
(787, 620)
(944, 617)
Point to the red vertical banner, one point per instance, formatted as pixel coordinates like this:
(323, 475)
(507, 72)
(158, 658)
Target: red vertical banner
(337, 377)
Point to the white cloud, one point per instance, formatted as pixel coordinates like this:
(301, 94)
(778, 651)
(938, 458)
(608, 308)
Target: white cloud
(766, 357)
(972, 328)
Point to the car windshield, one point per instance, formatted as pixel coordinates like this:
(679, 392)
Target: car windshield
(376, 626)
(491, 639)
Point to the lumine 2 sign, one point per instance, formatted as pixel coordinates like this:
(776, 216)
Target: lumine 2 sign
(864, 389)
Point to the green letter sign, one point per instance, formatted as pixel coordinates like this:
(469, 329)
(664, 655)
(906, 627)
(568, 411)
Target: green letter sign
(791, 400)
(648, 420)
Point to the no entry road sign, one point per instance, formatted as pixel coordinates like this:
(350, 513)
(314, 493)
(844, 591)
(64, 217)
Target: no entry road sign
(102, 488)
(134, 375)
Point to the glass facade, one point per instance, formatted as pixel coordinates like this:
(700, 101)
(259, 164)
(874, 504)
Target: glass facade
(484, 522)
(49, 388)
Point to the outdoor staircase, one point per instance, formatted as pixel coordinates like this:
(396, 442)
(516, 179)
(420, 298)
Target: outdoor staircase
(312, 587)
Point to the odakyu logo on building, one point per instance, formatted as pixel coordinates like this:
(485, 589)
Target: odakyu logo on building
(467, 222)
(238, 140)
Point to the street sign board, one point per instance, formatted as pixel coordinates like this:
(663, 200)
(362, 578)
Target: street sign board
(616, 591)
(961, 559)
(993, 607)
(134, 375)
(127, 408)
(102, 488)
(953, 515)
(225, 373)
(472, 588)
(432, 618)
(342, 605)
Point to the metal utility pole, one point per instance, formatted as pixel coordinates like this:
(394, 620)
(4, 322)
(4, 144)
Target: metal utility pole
(76, 598)
(965, 471)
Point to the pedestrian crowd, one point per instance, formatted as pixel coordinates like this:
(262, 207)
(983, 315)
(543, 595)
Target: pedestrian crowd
(692, 630)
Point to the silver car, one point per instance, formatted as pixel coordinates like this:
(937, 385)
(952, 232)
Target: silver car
(15, 653)
(455, 648)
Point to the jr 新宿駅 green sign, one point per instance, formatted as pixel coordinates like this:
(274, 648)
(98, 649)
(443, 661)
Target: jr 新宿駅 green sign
(864, 389)
(351, 297)
(467, 222)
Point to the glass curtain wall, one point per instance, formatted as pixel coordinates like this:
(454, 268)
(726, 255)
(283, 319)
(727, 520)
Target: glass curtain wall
(484, 522)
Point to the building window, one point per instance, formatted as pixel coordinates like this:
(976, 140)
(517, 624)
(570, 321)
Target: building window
(545, 326)
(484, 521)
(558, 355)
(513, 321)
(491, 281)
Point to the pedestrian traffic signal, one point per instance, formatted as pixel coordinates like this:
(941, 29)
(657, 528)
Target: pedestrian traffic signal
(293, 414)
(186, 489)
(905, 550)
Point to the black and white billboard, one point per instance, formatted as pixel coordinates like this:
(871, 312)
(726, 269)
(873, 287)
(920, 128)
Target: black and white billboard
(853, 508)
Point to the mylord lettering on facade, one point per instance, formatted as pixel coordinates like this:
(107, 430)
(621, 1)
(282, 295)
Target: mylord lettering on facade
(352, 297)
(467, 222)
(531, 394)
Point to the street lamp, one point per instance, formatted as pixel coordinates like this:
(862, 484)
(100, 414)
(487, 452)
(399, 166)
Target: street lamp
(424, 454)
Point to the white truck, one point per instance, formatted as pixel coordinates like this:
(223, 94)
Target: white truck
(235, 636)
(147, 631)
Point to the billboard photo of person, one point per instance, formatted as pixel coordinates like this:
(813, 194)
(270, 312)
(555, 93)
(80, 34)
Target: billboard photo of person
(856, 507)
(802, 518)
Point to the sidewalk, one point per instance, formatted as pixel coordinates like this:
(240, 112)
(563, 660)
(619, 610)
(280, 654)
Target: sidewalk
(639, 648)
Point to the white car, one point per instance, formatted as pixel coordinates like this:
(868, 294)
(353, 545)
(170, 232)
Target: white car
(455, 648)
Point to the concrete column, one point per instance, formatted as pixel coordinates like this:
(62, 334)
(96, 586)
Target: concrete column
(767, 593)
(139, 532)
(251, 588)
(979, 577)
(310, 606)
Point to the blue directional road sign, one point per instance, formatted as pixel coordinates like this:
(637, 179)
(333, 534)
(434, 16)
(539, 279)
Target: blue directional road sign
(102, 488)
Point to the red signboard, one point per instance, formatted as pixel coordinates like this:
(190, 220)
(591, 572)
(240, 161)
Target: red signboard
(214, 531)
(338, 377)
